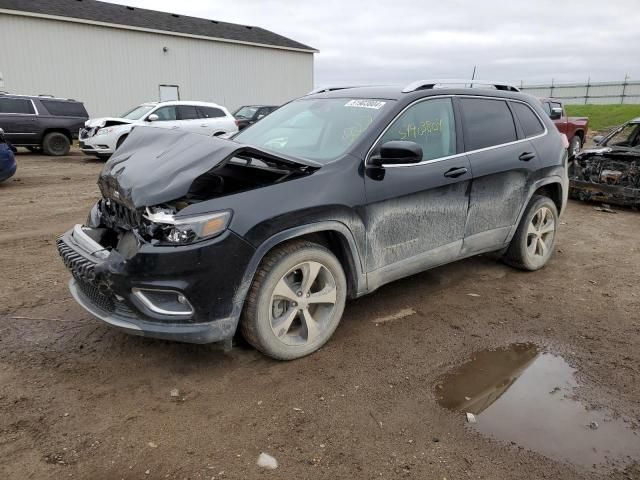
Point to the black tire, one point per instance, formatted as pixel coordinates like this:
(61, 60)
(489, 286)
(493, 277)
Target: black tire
(575, 145)
(522, 253)
(121, 140)
(56, 144)
(256, 322)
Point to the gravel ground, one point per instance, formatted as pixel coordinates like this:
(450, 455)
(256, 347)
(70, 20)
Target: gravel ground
(81, 400)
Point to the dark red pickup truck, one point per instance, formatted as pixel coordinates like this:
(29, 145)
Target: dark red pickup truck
(575, 128)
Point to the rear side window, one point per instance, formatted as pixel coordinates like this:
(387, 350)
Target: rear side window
(528, 120)
(16, 105)
(187, 112)
(210, 112)
(430, 124)
(487, 123)
(64, 109)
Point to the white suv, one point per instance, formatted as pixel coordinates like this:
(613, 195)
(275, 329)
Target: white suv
(102, 136)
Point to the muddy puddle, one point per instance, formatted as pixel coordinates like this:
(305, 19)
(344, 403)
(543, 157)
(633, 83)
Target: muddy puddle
(523, 395)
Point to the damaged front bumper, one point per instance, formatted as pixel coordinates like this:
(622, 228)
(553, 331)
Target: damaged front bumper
(172, 293)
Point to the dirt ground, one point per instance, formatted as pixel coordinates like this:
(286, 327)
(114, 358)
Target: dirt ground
(81, 400)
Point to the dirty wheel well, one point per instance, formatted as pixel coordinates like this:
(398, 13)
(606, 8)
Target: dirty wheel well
(553, 191)
(580, 133)
(339, 246)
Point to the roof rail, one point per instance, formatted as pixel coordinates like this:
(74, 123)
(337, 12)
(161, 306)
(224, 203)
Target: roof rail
(45, 95)
(330, 89)
(430, 84)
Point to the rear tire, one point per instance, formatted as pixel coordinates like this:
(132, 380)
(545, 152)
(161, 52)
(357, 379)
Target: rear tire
(295, 302)
(534, 242)
(56, 144)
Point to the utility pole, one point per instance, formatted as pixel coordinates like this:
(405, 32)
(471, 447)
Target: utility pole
(624, 88)
(586, 95)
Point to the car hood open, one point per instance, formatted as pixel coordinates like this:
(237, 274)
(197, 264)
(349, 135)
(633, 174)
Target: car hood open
(155, 165)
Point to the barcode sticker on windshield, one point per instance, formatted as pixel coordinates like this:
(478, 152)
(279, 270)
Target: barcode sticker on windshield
(375, 104)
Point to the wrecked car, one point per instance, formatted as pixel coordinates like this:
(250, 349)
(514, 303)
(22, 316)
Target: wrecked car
(329, 197)
(102, 136)
(611, 171)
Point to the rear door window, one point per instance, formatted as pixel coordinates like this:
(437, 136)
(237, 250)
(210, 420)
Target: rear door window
(16, 106)
(430, 124)
(210, 112)
(487, 123)
(187, 112)
(64, 109)
(529, 121)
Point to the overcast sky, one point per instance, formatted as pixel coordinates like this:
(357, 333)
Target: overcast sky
(396, 41)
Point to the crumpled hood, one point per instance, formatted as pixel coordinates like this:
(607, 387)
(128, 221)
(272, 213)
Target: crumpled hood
(101, 122)
(156, 165)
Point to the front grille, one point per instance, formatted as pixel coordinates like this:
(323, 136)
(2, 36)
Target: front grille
(81, 268)
(104, 302)
(87, 132)
(83, 271)
(117, 215)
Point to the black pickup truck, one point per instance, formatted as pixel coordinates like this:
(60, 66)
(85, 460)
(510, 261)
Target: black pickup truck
(41, 122)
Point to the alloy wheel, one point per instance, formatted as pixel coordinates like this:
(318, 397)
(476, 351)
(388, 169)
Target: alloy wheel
(540, 233)
(303, 303)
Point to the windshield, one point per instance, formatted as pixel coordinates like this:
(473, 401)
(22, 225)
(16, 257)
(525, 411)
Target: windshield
(627, 136)
(138, 112)
(317, 129)
(246, 112)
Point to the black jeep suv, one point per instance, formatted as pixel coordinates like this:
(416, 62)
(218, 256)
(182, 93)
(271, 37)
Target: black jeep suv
(41, 122)
(328, 198)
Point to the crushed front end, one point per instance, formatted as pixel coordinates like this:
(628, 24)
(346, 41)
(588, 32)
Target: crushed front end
(157, 256)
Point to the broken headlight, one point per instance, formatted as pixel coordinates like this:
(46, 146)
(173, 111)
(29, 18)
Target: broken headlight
(185, 230)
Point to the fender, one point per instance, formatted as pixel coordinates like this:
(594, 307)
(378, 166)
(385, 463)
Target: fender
(534, 187)
(290, 234)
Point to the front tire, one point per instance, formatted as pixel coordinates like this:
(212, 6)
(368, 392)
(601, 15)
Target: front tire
(56, 144)
(295, 302)
(575, 146)
(534, 242)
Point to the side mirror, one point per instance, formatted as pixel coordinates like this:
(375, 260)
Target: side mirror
(598, 139)
(556, 113)
(397, 152)
(153, 118)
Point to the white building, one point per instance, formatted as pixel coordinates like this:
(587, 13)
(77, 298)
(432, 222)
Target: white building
(113, 57)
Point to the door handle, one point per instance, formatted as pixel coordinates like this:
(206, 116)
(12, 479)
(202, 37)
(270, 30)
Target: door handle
(526, 156)
(455, 172)
(204, 125)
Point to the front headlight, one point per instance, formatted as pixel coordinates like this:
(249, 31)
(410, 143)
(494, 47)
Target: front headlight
(185, 230)
(105, 131)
